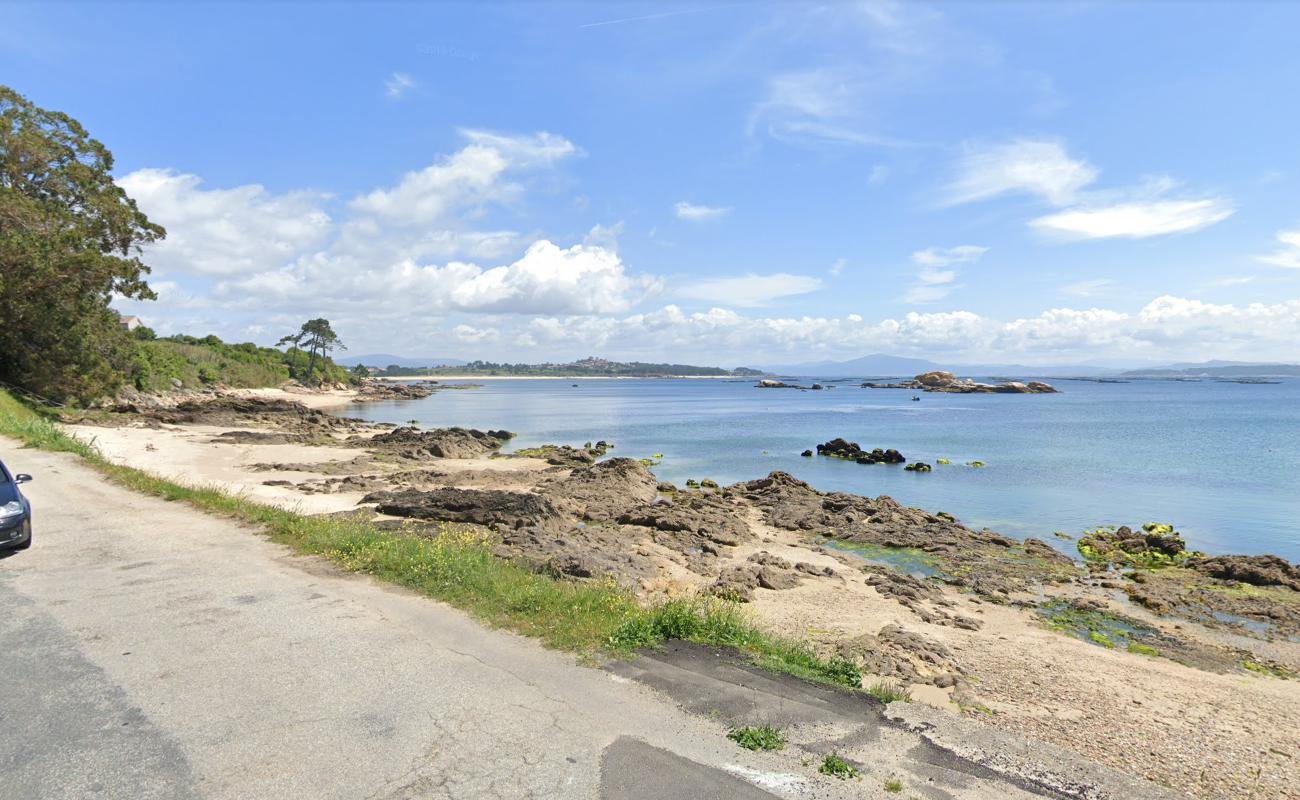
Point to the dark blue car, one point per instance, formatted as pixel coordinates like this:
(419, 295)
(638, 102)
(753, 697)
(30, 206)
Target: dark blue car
(15, 512)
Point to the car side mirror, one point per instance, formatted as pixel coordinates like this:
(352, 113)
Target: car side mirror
(22, 477)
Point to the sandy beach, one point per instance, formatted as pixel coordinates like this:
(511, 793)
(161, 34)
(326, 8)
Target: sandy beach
(1193, 721)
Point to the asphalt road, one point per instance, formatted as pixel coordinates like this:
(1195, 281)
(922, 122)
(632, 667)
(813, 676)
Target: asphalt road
(148, 650)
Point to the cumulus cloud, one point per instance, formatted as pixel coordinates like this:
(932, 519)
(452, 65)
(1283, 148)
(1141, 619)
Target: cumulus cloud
(1166, 328)
(546, 279)
(1135, 220)
(464, 181)
(1288, 255)
(225, 231)
(398, 84)
(749, 291)
(1037, 167)
(697, 213)
(552, 280)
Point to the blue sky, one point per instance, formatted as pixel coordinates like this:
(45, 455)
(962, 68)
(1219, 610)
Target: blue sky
(722, 183)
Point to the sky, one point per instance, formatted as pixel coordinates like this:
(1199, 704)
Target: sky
(710, 183)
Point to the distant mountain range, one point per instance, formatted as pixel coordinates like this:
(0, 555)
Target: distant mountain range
(389, 360)
(1217, 369)
(882, 365)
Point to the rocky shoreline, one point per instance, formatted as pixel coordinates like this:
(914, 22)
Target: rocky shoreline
(962, 616)
(947, 383)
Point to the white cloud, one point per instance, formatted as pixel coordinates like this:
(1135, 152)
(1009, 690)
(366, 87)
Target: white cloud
(546, 279)
(928, 293)
(225, 231)
(1090, 288)
(933, 283)
(1135, 220)
(552, 280)
(468, 333)
(837, 268)
(817, 106)
(944, 256)
(1167, 328)
(398, 84)
(1038, 167)
(464, 181)
(1288, 255)
(695, 213)
(935, 277)
(1044, 169)
(750, 291)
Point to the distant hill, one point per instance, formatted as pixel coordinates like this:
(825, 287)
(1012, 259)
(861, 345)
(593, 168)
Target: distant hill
(874, 364)
(881, 364)
(1218, 369)
(388, 360)
(589, 367)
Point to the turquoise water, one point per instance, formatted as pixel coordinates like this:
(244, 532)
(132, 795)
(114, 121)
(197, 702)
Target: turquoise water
(1221, 461)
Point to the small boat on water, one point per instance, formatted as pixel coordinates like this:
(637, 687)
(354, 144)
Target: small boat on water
(916, 398)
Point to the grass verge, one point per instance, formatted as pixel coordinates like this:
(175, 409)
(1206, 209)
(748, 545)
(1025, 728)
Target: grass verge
(457, 566)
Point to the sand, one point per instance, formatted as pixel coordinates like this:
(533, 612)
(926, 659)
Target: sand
(1208, 735)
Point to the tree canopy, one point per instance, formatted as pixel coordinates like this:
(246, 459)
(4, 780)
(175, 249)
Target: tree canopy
(317, 339)
(70, 241)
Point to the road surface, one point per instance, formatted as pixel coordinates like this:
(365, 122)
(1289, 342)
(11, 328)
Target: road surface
(149, 650)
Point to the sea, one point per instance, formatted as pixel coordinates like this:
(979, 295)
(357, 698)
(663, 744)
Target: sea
(1218, 460)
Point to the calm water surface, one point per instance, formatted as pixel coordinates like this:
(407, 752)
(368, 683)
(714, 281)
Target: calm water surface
(1219, 460)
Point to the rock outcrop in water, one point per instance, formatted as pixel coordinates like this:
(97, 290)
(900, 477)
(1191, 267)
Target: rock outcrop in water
(852, 451)
(948, 383)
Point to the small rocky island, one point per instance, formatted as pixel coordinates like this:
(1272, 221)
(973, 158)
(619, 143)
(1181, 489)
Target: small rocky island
(939, 381)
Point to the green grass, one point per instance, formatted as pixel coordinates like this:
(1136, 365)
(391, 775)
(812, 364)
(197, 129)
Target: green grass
(833, 765)
(1142, 649)
(887, 692)
(1271, 670)
(893, 786)
(456, 566)
(762, 737)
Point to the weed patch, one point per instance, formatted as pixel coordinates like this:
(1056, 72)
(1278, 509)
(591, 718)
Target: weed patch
(832, 764)
(887, 692)
(762, 737)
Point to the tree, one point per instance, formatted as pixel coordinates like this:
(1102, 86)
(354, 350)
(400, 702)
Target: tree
(70, 241)
(317, 339)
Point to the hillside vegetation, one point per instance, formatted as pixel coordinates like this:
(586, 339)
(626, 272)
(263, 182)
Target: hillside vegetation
(197, 363)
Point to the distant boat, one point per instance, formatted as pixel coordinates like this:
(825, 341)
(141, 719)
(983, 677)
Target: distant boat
(916, 398)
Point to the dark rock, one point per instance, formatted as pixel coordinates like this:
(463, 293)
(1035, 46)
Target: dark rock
(839, 448)
(482, 507)
(606, 490)
(777, 579)
(901, 654)
(807, 454)
(436, 443)
(1266, 570)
